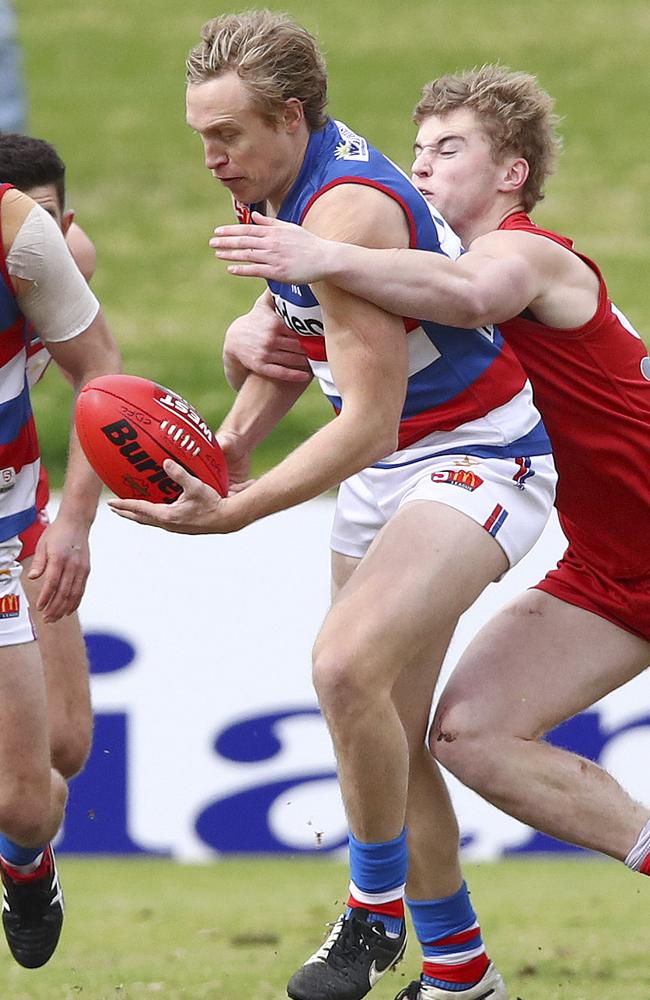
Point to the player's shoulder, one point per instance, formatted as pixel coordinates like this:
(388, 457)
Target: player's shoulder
(531, 246)
(15, 206)
(357, 213)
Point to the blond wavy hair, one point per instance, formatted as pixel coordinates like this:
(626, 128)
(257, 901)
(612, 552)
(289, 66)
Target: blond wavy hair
(276, 58)
(514, 112)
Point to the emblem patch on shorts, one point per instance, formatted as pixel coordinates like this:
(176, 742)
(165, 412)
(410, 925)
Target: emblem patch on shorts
(9, 606)
(7, 479)
(465, 478)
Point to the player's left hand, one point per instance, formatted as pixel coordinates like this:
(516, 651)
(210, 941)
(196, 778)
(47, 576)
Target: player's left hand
(199, 510)
(274, 250)
(62, 559)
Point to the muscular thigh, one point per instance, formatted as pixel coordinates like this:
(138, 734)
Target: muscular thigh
(536, 663)
(425, 567)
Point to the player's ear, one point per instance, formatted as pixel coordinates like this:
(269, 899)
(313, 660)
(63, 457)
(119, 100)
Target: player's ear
(66, 220)
(515, 174)
(293, 115)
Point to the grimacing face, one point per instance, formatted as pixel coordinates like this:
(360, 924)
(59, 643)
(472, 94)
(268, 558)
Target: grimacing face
(454, 169)
(253, 158)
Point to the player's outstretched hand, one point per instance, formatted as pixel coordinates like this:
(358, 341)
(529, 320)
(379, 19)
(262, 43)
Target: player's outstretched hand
(62, 560)
(274, 250)
(199, 510)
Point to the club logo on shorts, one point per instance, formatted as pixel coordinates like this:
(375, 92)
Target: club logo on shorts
(9, 606)
(465, 478)
(7, 479)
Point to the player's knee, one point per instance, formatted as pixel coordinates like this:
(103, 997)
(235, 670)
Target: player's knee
(70, 749)
(338, 677)
(459, 742)
(25, 818)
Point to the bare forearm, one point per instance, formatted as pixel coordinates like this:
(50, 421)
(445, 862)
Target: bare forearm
(260, 405)
(415, 283)
(81, 489)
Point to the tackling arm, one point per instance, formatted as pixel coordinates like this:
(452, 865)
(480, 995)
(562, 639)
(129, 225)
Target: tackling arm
(502, 274)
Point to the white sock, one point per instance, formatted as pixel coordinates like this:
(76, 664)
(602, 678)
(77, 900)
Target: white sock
(640, 851)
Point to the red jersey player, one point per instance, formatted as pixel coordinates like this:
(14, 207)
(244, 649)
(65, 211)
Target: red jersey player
(485, 145)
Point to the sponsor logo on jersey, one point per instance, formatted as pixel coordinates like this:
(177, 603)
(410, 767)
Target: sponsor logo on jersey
(303, 320)
(352, 146)
(9, 606)
(7, 479)
(465, 478)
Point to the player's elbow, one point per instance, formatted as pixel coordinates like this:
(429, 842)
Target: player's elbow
(474, 305)
(380, 436)
(384, 446)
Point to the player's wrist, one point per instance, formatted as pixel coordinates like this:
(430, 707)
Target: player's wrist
(232, 515)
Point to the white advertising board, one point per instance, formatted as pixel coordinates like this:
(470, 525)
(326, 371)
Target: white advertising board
(208, 737)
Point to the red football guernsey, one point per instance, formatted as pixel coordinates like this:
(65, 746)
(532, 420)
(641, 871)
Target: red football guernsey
(592, 387)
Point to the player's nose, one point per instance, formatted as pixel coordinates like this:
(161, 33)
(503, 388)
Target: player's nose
(421, 166)
(215, 156)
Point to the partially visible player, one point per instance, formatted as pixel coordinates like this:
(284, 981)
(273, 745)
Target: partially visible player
(32, 165)
(446, 481)
(41, 288)
(485, 146)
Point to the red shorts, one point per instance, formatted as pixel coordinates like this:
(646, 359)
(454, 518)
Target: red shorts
(624, 602)
(31, 535)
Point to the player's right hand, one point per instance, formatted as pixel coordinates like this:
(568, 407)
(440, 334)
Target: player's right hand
(273, 250)
(259, 342)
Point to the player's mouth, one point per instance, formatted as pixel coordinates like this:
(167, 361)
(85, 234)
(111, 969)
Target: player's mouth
(228, 181)
(427, 195)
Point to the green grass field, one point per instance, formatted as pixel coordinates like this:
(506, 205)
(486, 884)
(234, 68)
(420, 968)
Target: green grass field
(106, 86)
(558, 930)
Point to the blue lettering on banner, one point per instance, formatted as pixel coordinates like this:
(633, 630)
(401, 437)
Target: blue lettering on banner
(96, 819)
(239, 823)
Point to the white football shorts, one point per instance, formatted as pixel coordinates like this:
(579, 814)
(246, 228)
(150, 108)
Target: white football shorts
(15, 622)
(510, 497)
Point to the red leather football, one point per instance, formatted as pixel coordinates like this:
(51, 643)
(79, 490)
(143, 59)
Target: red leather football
(128, 426)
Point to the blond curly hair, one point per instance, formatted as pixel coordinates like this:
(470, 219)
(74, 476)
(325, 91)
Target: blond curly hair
(515, 113)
